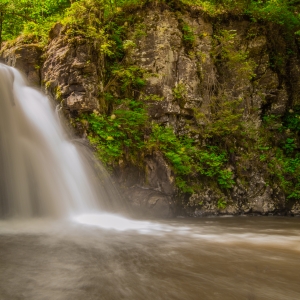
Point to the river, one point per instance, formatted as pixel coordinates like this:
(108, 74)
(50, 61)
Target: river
(210, 258)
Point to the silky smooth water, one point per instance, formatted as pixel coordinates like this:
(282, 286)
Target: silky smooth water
(42, 172)
(240, 258)
(57, 242)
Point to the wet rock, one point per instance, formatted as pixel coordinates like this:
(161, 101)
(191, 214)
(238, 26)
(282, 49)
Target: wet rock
(151, 193)
(296, 209)
(70, 72)
(159, 175)
(151, 203)
(26, 58)
(162, 53)
(210, 202)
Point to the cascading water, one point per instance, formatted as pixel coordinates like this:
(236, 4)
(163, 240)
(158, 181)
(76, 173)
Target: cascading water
(42, 173)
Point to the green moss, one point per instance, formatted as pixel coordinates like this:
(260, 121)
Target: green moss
(152, 98)
(179, 91)
(58, 93)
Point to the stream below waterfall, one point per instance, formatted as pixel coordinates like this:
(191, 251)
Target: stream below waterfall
(211, 258)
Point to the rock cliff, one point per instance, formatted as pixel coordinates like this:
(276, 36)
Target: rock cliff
(26, 58)
(226, 83)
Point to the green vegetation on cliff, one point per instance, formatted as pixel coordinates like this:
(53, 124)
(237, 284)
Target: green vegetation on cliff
(282, 154)
(35, 17)
(32, 17)
(130, 136)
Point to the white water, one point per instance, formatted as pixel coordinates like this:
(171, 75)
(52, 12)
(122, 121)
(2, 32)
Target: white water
(42, 172)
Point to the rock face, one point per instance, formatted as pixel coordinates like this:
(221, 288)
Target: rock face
(199, 72)
(70, 72)
(163, 53)
(26, 58)
(192, 61)
(153, 196)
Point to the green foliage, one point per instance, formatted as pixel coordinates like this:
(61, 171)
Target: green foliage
(128, 44)
(289, 145)
(188, 35)
(115, 33)
(283, 12)
(287, 170)
(262, 157)
(225, 179)
(179, 91)
(29, 16)
(226, 117)
(222, 204)
(283, 161)
(291, 120)
(130, 77)
(84, 20)
(227, 107)
(188, 160)
(226, 51)
(175, 149)
(36, 17)
(270, 120)
(118, 135)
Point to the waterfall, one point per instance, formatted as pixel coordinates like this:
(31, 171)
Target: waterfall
(42, 172)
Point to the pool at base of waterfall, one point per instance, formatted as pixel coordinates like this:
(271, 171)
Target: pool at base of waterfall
(110, 257)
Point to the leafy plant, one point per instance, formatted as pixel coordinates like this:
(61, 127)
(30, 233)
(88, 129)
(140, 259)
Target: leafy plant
(222, 204)
(289, 145)
(188, 35)
(118, 135)
(187, 160)
(291, 120)
(130, 77)
(30, 17)
(226, 117)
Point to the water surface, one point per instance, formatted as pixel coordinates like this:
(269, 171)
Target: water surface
(212, 258)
